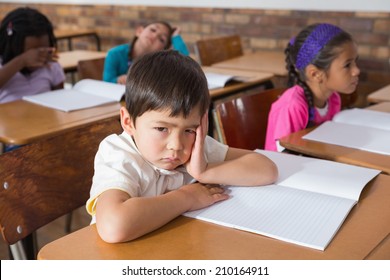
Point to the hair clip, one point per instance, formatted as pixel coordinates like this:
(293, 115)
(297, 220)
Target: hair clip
(9, 29)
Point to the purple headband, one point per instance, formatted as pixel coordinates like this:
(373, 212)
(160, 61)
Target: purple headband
(317, 39)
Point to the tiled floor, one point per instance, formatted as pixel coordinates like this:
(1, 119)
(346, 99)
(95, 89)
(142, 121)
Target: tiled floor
(52, 231)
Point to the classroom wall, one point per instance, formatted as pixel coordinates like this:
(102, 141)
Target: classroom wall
(258, 28)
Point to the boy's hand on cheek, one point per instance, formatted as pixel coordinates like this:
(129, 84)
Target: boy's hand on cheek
(197, 163)
(200, 196)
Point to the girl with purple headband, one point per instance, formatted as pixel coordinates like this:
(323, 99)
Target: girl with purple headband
(321, 61)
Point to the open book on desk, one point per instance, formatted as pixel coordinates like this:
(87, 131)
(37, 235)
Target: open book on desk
(356, 128)
(216, 80)
(84, 94)
(306, 206)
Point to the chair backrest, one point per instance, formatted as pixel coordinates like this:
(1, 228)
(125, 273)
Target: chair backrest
(213, 50)
(91, 69)
(242, 121)
(44, 180)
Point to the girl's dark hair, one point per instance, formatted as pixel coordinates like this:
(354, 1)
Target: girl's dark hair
(166, 80)
(169, 41)
(322, 59)
(19, 24)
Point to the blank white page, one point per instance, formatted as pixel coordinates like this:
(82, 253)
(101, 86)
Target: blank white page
(353, 136)
(364, 117)
(101, 88)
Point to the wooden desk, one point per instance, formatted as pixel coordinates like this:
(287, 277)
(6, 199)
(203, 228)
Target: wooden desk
(380, 95)
(260, 61)
(294, 142)
(362, 235)
(22, 122)
(255, 79)
(69, 34)
(69, 60)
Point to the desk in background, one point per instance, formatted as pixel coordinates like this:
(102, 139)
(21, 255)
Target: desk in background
(260, 61)
(363, 235)
(22, 122)
(69, 34)
(295, 143)
(381, 95)
(69, 60)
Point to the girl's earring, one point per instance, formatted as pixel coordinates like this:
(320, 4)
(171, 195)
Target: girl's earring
(9, 29)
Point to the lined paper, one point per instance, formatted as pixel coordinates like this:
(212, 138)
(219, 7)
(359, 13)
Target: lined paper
(287, 211)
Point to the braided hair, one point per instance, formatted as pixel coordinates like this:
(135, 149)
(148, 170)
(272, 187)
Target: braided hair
(317, 44)
(19, 24)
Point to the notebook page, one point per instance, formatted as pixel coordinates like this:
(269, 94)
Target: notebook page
(215, 80)
(353, 136)
(321, 176)
(364, 117)
(68, 100)
(292, 215)
(101, 88)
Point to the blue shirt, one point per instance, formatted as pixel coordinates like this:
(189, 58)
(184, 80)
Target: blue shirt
(117, 60)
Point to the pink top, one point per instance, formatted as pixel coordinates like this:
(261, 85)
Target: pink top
(290, 113)
(41, 80)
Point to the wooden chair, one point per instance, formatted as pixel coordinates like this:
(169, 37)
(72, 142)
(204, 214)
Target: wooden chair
(213, 50)
(91, 69)
(242, 122)
(47, 179)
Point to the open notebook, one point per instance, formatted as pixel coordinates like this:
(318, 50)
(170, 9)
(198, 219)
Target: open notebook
(84, 94)
(306, 206)
(356, 128)
(216, 80)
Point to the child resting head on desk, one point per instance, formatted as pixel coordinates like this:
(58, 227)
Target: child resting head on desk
(164, 164)
(321, 61)
(156, 36)
(27, 55)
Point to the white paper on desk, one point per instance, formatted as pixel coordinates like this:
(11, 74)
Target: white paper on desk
(364, 117)
(86, 93)
(353, 136)
(301, 208)
(216, 80)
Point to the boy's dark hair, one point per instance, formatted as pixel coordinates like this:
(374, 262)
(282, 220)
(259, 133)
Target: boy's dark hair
(322, 59)
(169, 41)
(166, 80)
(19, 24)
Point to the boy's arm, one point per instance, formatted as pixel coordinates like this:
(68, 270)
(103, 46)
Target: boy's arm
(241, 167)
(120, 218)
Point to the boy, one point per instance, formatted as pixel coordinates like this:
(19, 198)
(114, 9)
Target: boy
(146, 176)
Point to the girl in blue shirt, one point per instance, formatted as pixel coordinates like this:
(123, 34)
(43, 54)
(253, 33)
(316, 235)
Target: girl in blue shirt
(153, 37)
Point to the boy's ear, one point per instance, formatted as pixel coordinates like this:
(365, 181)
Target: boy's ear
(126, 121)
(314, 74)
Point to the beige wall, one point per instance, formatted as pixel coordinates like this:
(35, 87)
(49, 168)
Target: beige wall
(259, 29)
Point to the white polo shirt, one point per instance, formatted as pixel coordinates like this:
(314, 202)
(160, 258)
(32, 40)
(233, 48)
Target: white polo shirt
(119, 165)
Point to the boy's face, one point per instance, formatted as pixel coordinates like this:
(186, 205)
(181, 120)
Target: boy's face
(164, 141)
